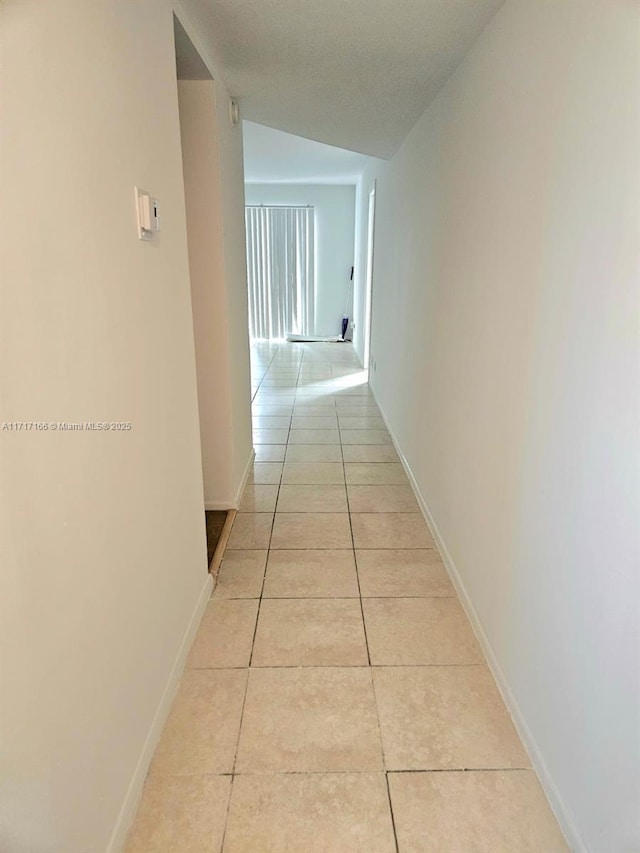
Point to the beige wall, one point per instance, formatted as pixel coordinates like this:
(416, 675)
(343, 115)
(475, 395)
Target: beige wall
(198, 133)
(103, 547)
(214, 190)
(505, 332)
(235, 254)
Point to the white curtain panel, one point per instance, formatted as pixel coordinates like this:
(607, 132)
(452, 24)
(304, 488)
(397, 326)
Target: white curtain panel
(280, 267)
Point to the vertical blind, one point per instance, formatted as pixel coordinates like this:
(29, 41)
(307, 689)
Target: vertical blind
(280, 267)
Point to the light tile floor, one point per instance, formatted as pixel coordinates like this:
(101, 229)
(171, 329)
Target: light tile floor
(335, 698)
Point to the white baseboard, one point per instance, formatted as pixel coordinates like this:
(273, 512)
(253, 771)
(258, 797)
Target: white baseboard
(218, 505)
(234, 502)
(243, 482)
(556, 803)
(134, 792)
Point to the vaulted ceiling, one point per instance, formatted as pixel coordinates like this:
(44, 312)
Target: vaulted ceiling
(351, 73)
(274, 157)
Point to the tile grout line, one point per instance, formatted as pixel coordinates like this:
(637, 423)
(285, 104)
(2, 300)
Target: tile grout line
(341, 549)
(371, 671)
(273, 522)
(325, 597)
(266, 565)
(244, 702)
(246, 684)
(228, 809)
(393, 819)
(415, 771)
(372, 667)
(255, 393)
(355, 561)
(255, 629)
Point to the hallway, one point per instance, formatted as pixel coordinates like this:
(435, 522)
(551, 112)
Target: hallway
(335, 673)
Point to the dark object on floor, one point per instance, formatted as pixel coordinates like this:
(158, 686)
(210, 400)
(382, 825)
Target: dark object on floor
(347, 310)
(215, 522)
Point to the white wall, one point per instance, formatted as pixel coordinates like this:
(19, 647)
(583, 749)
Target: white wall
(334, 216)
(103, 549)
(212, 164)
(199, 136)
(505, 331)
(360, 263)
(235, 261)
(366, 183)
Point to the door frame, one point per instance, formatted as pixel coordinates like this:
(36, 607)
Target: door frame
(368, 290)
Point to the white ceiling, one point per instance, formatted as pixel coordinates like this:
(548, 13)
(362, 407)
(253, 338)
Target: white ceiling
(273, 157)
(351, 73)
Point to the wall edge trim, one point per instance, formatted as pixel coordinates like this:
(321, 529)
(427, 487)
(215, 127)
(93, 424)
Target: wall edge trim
(244, 480)
(556, 803)
(134, 790)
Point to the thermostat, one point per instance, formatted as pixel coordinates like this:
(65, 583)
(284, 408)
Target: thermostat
(148, 216)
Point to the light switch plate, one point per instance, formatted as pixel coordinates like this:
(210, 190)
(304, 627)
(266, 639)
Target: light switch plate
(147, 214)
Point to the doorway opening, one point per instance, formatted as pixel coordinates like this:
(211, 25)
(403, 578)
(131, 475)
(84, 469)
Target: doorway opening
(196, 99)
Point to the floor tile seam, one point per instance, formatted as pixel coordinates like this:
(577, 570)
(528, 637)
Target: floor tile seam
(299, 598)
(248, 668)
(373, 666)
(264, 575)
(378, 717)
(396, 666)
(332, 548)
(395, 547)
(298, 666)
(427, 770)
(315, 511)
(268, 549)
(262, 379)
(408, 597)
(311, 511)
(230, 773)
(393, 820)
(339, 548)
(228, 809)
(355, 560)
(353, 772)
(206, 775)
(324, 597)
(244, 702)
